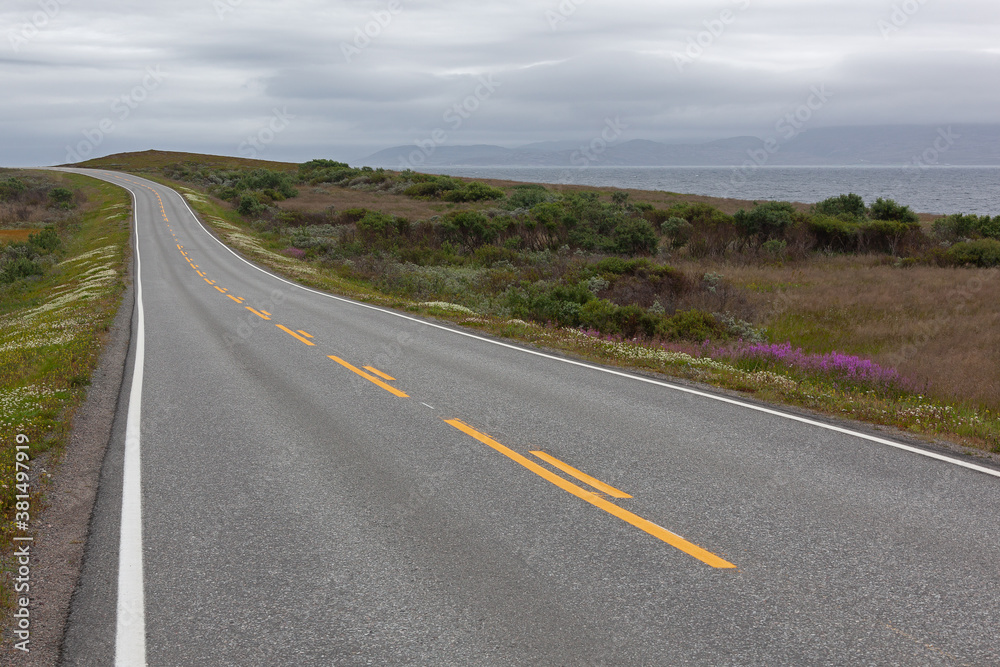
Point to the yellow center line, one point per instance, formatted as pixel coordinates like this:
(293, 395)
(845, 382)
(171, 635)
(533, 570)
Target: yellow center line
(221, 289)
(582, 476)
(307, 335)
(659, 532)
(235, 298)
(370, 378)
(294, 335)
(265, 315)
(180, 247)
(210, 282)
(200, 273)
(379, 373)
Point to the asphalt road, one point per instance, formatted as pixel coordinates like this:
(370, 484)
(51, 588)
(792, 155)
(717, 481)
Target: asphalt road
(324, 482)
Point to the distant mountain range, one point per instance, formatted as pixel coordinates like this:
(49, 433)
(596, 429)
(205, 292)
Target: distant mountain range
(875, 145)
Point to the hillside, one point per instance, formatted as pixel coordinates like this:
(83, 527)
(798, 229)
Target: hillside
(877, 145)
(154, 161)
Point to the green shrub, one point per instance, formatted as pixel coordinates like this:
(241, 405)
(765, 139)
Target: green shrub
(473, 192)
(61, 197)
(765, 221)
(692, 325)
(848, 207)
(629, 321)
(228, 193)
(635, 237)
(527, 196)
(20, 267)
(884, 235)
(958, 226)
(431, 189)
(677, 231)
(46, 241)
(11, 188)
(833, 233)
(887, 209)
(700, 214)
(377, 224)
(774, 248)
(19, 260)
(990, 228)
(472, 227)
(982, 252)
(249, 205)
(551, 216)
(619, 267)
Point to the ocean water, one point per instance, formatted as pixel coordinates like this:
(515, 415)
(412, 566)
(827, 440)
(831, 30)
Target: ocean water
(938, 189)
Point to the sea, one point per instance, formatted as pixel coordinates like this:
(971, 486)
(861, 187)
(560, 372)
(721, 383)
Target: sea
(925, 189)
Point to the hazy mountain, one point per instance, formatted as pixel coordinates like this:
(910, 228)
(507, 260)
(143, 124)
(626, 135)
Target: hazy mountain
(883, 145)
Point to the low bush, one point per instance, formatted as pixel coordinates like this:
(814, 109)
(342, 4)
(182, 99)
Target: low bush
(692, 325)
(769, 220)
(957, 227)
(473, 192)
(887, 209)
(845, 207)
(982, 252)
(23, 260)
(249, 205)
(526, 196)
(676, 231)
(834, 233)
(11, 188)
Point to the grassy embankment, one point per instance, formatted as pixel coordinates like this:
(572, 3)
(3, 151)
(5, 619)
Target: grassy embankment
(858, 310)
(63, 247)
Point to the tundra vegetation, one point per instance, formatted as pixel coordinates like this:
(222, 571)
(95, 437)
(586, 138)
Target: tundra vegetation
(859, 309)
(63, 243)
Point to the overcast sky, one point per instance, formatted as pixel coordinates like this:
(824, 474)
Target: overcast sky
(298, 79)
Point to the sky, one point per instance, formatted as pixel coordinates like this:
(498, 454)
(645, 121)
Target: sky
(302, 79)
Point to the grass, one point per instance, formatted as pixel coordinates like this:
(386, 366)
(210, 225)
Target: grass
(938, 326)
(51, 330)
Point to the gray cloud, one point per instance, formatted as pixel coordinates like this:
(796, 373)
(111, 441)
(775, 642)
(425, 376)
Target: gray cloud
(355, 77)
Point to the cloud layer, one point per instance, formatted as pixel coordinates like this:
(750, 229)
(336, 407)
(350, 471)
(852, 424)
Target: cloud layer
(305, 78)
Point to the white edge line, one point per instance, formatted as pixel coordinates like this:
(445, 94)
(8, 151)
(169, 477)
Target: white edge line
(639, 378)
(130, 633)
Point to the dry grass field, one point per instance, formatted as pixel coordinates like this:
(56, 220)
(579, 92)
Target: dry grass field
(938, 326)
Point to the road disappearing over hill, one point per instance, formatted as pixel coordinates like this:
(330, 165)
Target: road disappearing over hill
(297, 478)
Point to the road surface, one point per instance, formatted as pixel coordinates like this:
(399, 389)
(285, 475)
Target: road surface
(299, 479)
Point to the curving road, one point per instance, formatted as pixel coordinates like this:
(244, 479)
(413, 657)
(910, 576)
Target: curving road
(299, 479)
